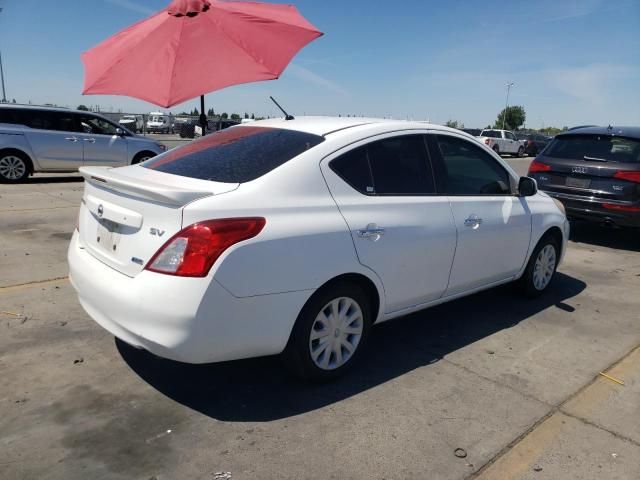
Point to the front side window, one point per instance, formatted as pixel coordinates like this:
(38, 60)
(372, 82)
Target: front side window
(469, 170)
(235, 155)
(393, 166)
(96, 125)
(510, 136)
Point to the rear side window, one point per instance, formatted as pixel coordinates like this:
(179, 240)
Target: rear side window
(469, 170)
(595, 147)
(235, 155)
(393, 166)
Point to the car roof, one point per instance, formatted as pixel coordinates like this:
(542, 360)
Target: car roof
(46, 108)
(324, 126)
(633, 132)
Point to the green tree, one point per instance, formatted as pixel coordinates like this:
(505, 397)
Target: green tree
(224, 116)
(253, 116)
(511, 117)
(235, 116)
(84, 108)
(195, 112)
(454, 124)
(211, 113)
(246, 115)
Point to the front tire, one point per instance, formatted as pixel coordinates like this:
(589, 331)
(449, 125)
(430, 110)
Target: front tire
(521, 152)
(541, 268)
(14, 167)
(330, 333)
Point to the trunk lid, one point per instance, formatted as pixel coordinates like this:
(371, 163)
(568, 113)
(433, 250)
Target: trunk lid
(129, 213)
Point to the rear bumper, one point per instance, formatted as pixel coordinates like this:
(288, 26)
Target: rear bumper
(592, 210)
(192, 320)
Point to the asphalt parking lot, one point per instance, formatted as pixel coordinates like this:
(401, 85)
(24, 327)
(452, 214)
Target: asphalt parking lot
(513, 383)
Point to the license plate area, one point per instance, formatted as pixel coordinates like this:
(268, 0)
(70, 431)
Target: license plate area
(578, 182)
(108, 235)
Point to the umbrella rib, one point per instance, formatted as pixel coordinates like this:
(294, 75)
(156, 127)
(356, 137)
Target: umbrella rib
(173, 67)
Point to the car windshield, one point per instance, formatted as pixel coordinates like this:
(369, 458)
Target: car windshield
(595, 147)
(235, 155)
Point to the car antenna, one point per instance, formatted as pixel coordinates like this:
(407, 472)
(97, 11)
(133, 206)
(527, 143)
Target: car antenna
(286, 115)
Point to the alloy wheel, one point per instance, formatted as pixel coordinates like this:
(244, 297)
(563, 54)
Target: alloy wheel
(12, 167)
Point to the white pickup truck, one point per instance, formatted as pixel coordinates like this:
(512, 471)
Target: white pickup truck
(502, 142)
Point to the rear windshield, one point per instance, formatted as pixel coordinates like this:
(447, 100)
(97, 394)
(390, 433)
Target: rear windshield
(490, 134)
(235, 155)
(595, 147)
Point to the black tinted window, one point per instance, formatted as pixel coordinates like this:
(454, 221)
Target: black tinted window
(354, 169)
(9, 115)
(235, 155)
(597, 147)
(469, 170)
(400, 166)
(394, 166)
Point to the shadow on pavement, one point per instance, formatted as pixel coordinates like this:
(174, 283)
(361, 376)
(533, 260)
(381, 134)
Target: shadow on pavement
(54, 179)
(596, 234)
(261, 390)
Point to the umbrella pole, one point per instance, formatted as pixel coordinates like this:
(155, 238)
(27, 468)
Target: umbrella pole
(203, 116)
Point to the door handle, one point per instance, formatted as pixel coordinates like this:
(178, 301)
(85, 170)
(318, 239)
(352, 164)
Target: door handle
(473, 221)
(90, 140)
(71, 139)
(372, 231)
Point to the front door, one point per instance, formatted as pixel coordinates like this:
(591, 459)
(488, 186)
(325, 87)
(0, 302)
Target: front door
(493, 225)
(401, 230)
(102, 145)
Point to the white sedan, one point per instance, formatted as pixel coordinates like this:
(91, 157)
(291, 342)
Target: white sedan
(296, 236)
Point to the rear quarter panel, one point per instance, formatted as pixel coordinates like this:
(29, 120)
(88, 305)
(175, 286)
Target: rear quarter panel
(305, 241)
(13, 137)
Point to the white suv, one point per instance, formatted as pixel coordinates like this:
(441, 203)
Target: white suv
(297, 236)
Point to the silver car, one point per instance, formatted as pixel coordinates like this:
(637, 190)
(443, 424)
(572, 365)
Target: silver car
(44, 139)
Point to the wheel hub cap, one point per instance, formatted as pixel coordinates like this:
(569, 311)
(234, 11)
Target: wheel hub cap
(336, 333)
(544, 267)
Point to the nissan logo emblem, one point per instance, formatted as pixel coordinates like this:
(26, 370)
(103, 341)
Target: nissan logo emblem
(100, 210)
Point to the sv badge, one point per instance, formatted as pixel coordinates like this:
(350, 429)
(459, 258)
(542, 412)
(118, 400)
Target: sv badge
(157, 232)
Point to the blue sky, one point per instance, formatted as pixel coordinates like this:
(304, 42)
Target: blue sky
(573, 61)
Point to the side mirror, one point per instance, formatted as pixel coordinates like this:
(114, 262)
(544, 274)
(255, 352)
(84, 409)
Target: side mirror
(120, 132)
(527, 187)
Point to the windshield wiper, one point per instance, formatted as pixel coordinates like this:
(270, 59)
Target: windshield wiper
(595, 159)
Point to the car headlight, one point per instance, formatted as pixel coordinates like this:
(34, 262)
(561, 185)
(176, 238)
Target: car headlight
(560, 206)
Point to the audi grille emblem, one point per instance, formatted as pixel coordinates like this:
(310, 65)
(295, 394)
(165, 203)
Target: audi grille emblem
(100, 210)
(579, 169)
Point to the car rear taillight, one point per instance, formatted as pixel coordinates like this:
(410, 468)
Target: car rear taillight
(630, 176)
(536, 167)
(621, 208)
(487, 141)
(193, 251)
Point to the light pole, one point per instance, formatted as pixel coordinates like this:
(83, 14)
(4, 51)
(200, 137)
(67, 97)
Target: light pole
(4, 93)
(506, 105)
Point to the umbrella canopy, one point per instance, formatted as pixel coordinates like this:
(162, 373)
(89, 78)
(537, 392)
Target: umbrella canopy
(194, 47)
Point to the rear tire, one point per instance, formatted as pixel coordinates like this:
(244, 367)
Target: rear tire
(142, 157)
(15, 167)
(541, 268)
(330, 333)
(496, 149)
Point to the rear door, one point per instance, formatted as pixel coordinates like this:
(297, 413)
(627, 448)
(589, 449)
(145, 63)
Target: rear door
(102, 146)
(591, 166)
(53, 138)
(401, 229)
(493, 226)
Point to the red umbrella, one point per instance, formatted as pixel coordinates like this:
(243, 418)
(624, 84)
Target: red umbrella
(194, 47)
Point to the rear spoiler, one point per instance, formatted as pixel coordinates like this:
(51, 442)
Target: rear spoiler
(108, 178)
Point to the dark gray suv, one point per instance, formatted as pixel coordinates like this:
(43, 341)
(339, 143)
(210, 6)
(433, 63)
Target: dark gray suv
(594, 172)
